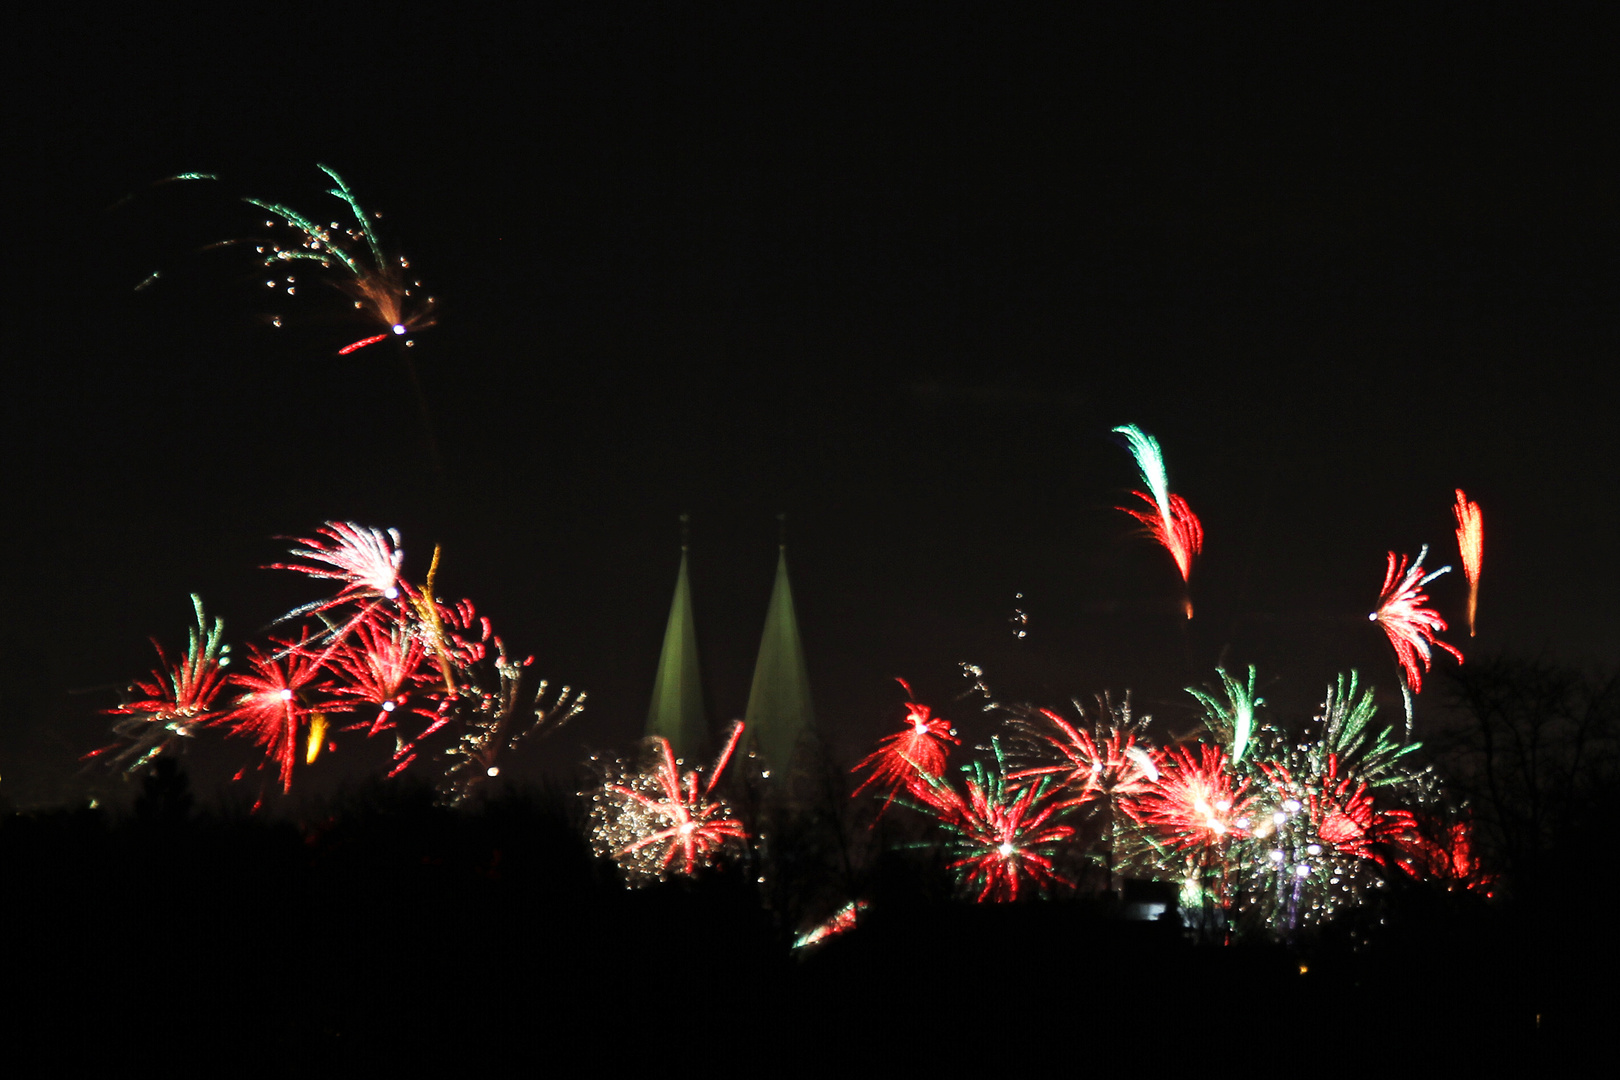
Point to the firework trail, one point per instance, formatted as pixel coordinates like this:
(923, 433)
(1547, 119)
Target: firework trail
(375, 283)
(175, 701)
(1471, 545)
(1168, 518)
(903, 759)
(1001, 833)
(1411, 626)
(656, 820)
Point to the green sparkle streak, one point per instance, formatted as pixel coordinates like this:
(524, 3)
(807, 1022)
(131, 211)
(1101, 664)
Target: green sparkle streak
(311, 230)
(1232, 719)
(342, 191)
(1150, 460)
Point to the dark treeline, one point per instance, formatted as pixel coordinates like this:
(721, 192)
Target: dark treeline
(383, 929)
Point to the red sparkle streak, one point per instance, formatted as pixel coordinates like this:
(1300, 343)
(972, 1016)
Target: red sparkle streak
(694, 827)
(842, 922)
(1411, 626)
(362, 343)
(1179, 533)
(272, 710)
(1471, 546)
(1197, 802)
(902, 760)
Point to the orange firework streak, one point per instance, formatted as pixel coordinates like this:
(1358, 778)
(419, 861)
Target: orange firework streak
(1471, 543)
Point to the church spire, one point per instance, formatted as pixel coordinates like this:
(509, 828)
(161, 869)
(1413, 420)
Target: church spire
(676, 712)
(779, 711)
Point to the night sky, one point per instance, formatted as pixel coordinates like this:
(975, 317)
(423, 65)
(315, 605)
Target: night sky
(894, 274)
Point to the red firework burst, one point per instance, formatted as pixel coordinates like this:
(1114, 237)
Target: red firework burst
(1105, 762)
(1411, 626)
(1343, 815)
(177, 699)
(902, 760)
(1446, 853)
(1197, 804)
(1002, 835)
(274, 708)
(379, 666)
(661, 820)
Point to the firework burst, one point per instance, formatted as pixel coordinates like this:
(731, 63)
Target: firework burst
(281, 700)
(379, 667)
(655, 820)
(365, 560)
(1101, 757)
(176, 701)
(903, 759)
(1002, 835)
(1411, 626)
(1471, 546)
(375, 283)
(1200, 804)
(1168, 519)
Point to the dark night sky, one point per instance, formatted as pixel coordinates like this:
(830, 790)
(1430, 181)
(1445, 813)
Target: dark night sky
(895, 274)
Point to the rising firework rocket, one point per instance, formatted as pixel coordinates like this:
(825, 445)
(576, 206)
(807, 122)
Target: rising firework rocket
(1168, 520)
(1471, 545)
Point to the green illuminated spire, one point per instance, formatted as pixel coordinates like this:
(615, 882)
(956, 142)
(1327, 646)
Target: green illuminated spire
(779, 712)
(676, 712)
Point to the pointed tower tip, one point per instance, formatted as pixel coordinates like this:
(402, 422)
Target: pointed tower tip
(779, 711)
(686, 531)
(676, 711)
